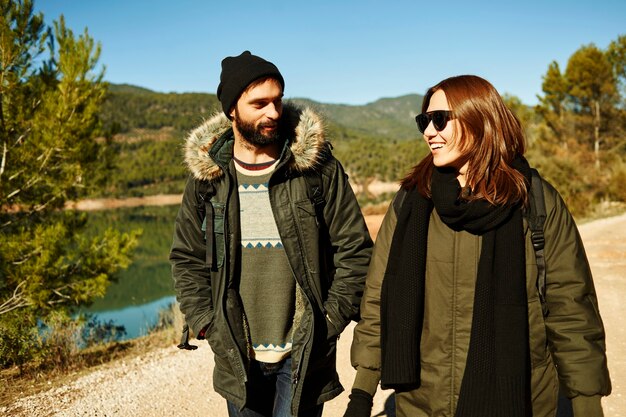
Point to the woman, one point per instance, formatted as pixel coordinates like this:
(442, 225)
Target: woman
(451, 317)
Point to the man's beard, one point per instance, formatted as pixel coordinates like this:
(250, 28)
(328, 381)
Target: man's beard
(253, 135)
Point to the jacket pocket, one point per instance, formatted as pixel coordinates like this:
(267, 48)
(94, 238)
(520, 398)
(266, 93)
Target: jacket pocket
(316, 241)
(307, 216)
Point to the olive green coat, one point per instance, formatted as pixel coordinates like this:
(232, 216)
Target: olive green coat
(329, 262)
(570, 338)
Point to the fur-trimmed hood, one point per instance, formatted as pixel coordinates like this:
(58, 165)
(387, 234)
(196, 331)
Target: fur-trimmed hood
(303, 130)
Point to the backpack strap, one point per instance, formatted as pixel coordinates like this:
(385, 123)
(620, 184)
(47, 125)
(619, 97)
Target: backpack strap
(204, 192)
(536, 219)
(399, 200)
(315, 192)
(184, 339)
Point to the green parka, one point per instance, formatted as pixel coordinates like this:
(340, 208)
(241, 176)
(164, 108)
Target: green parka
(329, 261)
(570, 338)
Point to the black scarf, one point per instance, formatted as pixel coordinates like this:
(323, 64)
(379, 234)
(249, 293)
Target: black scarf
(496, 381)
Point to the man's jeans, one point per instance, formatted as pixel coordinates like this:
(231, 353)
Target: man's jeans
(269, 392)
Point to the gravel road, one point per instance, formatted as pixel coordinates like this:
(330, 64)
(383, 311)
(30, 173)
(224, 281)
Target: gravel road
(170, 382)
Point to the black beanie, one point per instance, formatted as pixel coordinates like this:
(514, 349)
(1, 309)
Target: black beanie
(237, 74)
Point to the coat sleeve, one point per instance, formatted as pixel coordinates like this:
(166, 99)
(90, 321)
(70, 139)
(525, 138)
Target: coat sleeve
(574, 327)
(351, 244)
(192, 279)
(365, 351)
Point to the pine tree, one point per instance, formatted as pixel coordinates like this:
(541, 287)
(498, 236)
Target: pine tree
(48, 126)
(592, 93)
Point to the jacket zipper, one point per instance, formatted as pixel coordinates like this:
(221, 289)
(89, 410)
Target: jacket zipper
(295, 378)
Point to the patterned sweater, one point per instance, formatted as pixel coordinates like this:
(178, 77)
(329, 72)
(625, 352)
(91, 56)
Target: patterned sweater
(267, 286)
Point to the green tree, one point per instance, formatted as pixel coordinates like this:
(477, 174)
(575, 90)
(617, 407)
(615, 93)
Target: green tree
(617, 57)
(552, 107)
(582, 124)
(616, 54)
(48, 126)
(580, 103)
(592, 93)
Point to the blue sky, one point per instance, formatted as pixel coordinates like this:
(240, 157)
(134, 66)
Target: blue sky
(351, 52)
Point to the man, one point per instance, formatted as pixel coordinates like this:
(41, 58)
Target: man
(270, 249)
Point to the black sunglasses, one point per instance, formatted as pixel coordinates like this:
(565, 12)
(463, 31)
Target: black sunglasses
(440, 119)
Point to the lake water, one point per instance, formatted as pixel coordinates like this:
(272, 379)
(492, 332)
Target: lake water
(140, 292)
(137, 320)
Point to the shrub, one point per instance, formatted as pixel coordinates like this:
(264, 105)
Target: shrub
(19, 341)
(55, 342)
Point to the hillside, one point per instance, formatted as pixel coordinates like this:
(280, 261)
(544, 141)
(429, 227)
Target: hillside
(131, 107)
(392, 118)
(375, 140)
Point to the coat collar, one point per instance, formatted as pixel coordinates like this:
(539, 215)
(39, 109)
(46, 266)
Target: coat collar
(303, 129)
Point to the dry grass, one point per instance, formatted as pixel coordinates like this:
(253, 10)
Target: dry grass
(36, 378)
(604, 210)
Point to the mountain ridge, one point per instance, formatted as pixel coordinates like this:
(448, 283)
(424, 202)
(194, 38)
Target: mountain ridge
(129, 106)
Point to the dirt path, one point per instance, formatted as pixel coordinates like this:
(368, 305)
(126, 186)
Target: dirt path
(605, 242)
(169, 382)
(113, 203)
